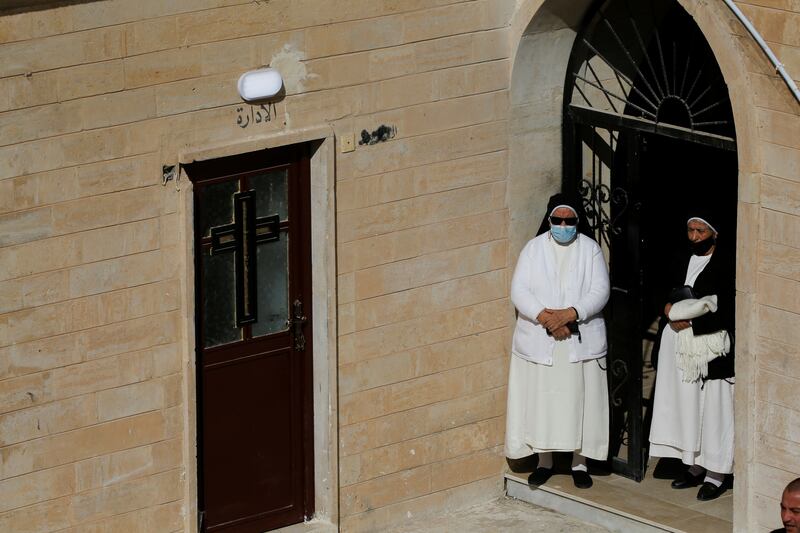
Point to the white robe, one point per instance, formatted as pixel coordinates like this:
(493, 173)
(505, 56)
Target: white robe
(692, 422)
(563, 407)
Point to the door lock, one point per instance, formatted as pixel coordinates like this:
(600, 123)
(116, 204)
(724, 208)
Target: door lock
(296, 324)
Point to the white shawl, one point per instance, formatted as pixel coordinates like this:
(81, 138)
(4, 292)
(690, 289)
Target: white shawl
(696, 351)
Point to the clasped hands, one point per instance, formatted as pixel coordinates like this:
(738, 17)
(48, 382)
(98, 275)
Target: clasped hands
(555, 321)
(676, 325)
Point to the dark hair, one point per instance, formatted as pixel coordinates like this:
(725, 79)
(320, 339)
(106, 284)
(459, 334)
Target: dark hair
(793, 486)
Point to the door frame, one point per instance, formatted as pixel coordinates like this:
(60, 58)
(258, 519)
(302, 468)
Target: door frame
(324, 300)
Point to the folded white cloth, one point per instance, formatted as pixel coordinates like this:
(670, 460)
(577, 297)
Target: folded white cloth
(696, 351)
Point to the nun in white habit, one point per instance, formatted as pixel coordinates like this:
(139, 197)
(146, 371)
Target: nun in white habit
(693, 404)
(557, 390)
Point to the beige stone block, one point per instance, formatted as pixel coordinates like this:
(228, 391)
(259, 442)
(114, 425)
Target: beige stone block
(461, 50)
(428, 449)
(50, 515)
(70, 250)
(770, 92)
(89, 80)
(378, 372)
(346, 318)
(34, 24)
(118, 108)
(777, 389)
(405, 305)
(346, 288)
(337, 71)
(764, 511)
(22, 392)
(779, 325)
(445, 21)
(61, 51)
(414, 242)
(108, 210)
(28, 90)
(422, 150)
(779, 260)
(48, 419)
(130, 400)
(119, 273)
(127, 496)
(116, 12)
(422, 391)
(778, 357)
(774, 25)
(781, 162)
(39, 122)
(777, 453)
(441, 115)
(87, 147)
(464, 470)
(33, 291)
(166, 517)
(166, 359)
(778, 421)
(779, 228)
(354, 36)
(311, 109)
(162, 67)
(779, 293)
(392, 62)
(235, 57)
(93, 311)
(384, 491)
(153, 35)
(198, 93)
(425, 420)
(36, 487)
(472, 79)
(83, 443)
(418, 181)
(432, 268)
(770, 481)
(423, 331)
(37, 356)
(98, 375)
(230, 22)
(25, 226)
(128, 464)
(779, 128)
(433, 505)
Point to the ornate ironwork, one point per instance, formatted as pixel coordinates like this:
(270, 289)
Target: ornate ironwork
(599, 201)
(659, 74)
(619, 370)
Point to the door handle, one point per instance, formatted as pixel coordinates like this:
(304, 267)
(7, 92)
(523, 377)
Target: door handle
(296, 324)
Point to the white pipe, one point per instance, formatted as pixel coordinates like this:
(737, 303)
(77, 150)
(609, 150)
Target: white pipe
(765, 47)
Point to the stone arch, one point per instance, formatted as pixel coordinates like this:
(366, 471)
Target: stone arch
(542, 33)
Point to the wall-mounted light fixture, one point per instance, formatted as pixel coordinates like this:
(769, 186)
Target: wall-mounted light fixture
(260, 84)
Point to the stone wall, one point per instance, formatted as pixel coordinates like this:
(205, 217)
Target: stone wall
(96, 423)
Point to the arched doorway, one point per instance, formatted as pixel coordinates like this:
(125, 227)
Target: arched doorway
(647, 128)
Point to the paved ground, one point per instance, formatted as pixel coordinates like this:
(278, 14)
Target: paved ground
(505, 515)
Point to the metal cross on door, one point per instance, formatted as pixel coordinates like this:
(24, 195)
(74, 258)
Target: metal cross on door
(253, 285)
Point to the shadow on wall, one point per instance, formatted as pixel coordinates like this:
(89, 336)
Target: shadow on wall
(9, 7)
(536, 97)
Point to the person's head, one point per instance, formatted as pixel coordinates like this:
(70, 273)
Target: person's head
(702, 235)
(790, 507)
(563, 223)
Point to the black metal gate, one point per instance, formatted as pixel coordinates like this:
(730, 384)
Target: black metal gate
(643, 96)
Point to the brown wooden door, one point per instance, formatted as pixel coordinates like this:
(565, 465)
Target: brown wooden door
(253, 291)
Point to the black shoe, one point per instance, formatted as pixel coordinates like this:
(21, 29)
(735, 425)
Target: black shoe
(709, 491)
(581, 479)
(687, 480)
(540, 476)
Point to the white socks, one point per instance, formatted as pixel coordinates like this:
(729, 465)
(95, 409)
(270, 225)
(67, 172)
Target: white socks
(579, 463)
(715, 478)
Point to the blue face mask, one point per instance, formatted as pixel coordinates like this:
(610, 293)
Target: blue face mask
(564, 234)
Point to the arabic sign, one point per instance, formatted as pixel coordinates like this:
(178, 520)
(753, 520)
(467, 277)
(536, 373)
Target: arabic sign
(248, 115)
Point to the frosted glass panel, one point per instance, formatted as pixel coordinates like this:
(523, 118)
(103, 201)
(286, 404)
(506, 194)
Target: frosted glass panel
(216, 208)
(273, 286)
(271, 193)
(219, 299)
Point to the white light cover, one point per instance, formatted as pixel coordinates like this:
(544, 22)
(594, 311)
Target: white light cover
(259, 84)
